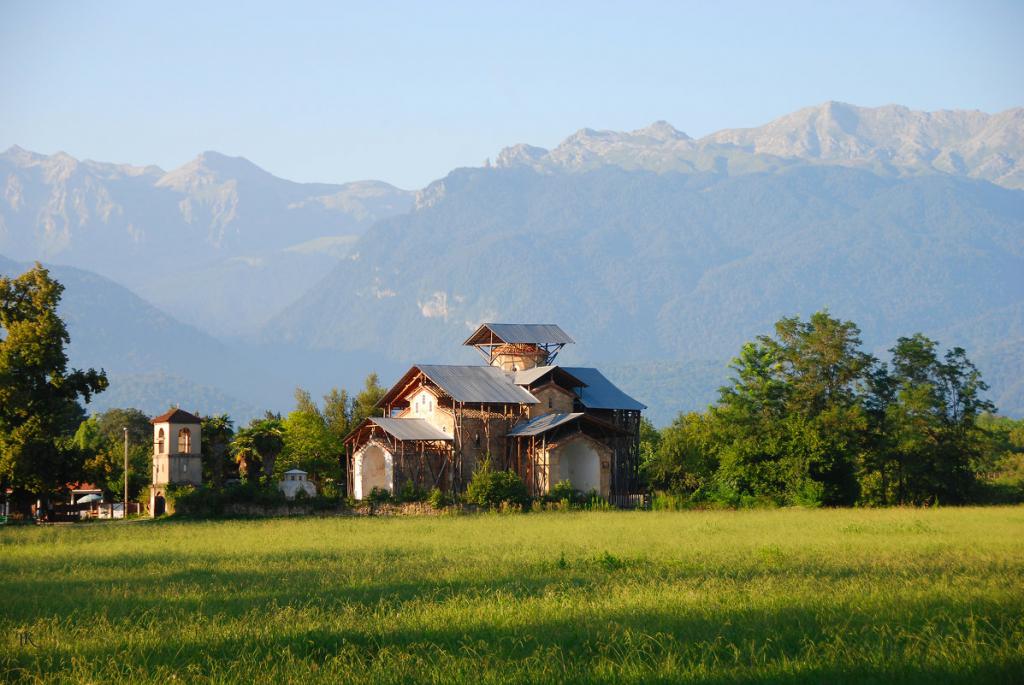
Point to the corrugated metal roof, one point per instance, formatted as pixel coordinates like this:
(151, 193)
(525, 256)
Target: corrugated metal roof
(542, 424)
(410, 429)
(530, 333)
(600, 392)
(485, 384)
(530, 376)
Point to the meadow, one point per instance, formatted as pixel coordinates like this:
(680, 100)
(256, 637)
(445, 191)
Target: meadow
(782, 596)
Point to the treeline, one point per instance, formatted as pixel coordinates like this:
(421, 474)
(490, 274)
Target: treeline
(809, 418)
(47, 442)
(309, 438)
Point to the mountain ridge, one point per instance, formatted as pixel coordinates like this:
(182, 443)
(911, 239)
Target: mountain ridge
(891, 139)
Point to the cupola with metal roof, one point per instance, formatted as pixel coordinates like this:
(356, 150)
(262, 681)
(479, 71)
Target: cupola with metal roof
(514, 347)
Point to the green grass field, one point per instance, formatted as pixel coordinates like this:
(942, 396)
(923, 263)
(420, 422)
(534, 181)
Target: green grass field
(787, 596)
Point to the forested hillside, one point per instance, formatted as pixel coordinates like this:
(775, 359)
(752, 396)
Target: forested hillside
(669, 268)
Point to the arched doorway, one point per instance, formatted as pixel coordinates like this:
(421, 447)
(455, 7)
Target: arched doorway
(373, 470)
(159, 505)
(580, 464)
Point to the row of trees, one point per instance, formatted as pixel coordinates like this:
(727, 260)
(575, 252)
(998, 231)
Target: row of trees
(46, 440)
(810, 418)
(308, 438)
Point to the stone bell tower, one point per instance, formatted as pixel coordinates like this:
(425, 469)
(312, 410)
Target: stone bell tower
(176, 455)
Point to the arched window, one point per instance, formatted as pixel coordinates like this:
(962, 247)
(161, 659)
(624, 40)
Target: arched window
(160, 442)
(184, 440)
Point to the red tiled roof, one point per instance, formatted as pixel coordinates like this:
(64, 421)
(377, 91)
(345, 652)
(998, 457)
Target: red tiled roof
(177, 416)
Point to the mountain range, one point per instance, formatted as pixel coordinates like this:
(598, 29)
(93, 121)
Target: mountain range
(659, 253)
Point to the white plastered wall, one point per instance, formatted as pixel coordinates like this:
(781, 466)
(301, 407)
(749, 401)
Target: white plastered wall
(373, 467)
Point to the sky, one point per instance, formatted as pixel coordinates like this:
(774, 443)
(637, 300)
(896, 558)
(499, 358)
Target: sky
(405, 92)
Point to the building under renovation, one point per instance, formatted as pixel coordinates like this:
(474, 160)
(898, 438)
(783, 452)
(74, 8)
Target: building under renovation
(548, 423)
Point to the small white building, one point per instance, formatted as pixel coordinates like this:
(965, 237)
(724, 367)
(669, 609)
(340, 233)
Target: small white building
(294, 481)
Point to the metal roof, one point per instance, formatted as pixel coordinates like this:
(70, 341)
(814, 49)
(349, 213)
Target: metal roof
(542, 424)
(600, 392)
(530, 333)
(410, 429)
(485, 384)
(530, 376)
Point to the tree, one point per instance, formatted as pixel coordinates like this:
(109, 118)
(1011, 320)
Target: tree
(337, 413)
(310, 444)
(650, 440)
(685, 459)
(257, 447)
(365, 402)
(39, 409)
(791, 425)
(217, 432)
(933, 419)
(101, 438)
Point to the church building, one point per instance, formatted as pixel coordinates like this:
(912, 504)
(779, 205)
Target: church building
(546, 422)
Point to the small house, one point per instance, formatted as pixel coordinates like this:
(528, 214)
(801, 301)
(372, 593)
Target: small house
(295, 481)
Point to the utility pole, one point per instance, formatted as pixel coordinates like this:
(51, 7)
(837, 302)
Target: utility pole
(125, 512)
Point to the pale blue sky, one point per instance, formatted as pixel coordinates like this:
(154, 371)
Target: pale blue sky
(405, 92)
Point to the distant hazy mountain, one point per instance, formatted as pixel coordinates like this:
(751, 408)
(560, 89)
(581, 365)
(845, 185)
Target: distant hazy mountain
(218, 242)
(676, 269)
(892, 140)
(659, 253)
(151, 359)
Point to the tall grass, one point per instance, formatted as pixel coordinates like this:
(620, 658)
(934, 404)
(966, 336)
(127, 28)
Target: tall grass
(784, 596)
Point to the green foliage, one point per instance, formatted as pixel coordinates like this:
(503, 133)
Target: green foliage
(379, 496)
(685, 460)
(562, 491)
(337, 413)
(100, 439)
(810, 420)
(365, 402)
(39, 409)
(256, 447)
(310, 444)
(490, 487)
(438, 499)
(410, 493)
(217, 432)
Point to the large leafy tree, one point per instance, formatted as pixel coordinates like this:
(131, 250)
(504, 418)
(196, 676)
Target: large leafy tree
(310, 444)
(101, 439)
(791, 425)
(39, 408)
(683, 458)
(931, 414)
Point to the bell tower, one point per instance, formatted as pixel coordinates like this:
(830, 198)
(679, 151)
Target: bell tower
(177, 457)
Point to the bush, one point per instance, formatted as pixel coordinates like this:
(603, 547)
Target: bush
(563, 490)
(492, 488)
(379, 496)
(438, 499)
(410, 493)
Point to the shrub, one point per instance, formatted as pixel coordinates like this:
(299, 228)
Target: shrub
(562, 490)
(438, 499)
(379, 496)
(410, 493)
(489, 487)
